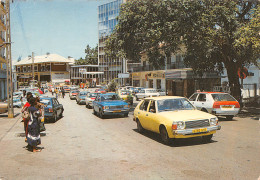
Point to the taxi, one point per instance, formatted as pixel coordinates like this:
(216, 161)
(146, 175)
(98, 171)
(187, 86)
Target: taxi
(126, 95)
(174, 117)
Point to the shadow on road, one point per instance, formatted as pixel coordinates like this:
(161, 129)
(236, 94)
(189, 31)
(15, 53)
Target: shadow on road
(176, 142)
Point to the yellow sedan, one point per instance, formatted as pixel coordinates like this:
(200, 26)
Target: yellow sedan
(174, 117)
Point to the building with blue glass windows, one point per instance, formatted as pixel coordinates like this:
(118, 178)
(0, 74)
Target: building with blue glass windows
(107, 14)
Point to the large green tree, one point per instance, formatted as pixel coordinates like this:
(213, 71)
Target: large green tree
(90, 58)
(217, 34)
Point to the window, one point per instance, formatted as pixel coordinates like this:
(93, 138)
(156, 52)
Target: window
(193, 97)
(202, 97)
(36, 68)
(158, 83)
(18, 69)
(144, 105)
(152, 107)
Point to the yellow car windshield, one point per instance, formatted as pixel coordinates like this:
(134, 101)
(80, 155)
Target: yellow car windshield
(174, 105)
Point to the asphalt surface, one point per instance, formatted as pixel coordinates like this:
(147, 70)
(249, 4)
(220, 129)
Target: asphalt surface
(82, 146)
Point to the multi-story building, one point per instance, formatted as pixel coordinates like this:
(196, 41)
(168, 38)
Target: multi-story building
(50, 68)
(107, 14)
(3, 80)
(86, 74)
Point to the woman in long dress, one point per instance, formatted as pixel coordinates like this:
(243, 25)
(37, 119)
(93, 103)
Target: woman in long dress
(33, 136)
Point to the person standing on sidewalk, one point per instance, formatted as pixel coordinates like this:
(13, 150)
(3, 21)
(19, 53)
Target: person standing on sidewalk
(33, 136)
(25, 114)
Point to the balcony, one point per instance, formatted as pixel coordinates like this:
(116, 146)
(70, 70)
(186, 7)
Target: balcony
(178, 65)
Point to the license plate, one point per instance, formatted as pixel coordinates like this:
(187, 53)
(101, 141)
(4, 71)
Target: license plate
(199, 130)
(117, 111)
(226, 106)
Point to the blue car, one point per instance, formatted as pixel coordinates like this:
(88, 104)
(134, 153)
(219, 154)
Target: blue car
(53, 109)
(110, 104)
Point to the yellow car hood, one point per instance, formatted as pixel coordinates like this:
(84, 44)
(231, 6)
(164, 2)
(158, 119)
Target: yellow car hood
(185, 115)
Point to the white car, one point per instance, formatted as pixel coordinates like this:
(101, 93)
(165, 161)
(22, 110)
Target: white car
(217, 103)
(90, 98)
(149, 92)
(161, 92)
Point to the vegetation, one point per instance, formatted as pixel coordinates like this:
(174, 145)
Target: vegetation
(217, 34)
(90, 58)
(112, 86)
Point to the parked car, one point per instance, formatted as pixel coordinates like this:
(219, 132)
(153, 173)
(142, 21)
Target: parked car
(126, 95)
(81, 97)
(161, 92)
(149, 92)
(110, 104)
(53, 109)
(174, 117)
(73, 94)
(18, 102)
(90, 98)
(3, 107)
(217, 103)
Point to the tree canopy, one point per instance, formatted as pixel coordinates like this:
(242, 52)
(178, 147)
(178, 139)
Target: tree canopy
(217, 34)
(90, 58)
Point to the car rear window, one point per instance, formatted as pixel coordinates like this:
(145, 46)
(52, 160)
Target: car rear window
(223, 97)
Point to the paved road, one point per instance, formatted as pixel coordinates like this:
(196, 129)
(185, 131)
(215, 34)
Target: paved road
(83, 146)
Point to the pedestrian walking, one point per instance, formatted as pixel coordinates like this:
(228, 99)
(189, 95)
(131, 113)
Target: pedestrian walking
(63, 92)
(56, 93)
(33, 136)
(25, 114)
(52, 90)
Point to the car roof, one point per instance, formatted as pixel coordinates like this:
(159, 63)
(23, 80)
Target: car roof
(164, 97)
(212, 92)
(108, 94)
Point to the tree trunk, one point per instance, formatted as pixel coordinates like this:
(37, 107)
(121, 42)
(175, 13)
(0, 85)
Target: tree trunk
(233, 79)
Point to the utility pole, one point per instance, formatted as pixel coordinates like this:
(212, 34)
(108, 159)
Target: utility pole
(33, 67)
(9, 63)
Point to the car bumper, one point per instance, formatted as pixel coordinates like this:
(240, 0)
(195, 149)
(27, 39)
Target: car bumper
(82, 102)
(187, 133)
(116, 111)
(219, 112)
(72, 97)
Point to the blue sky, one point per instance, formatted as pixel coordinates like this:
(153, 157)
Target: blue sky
(62, 27)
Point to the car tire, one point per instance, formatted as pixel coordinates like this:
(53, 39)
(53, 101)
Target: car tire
(164, 136)
(229, 118)
(101, 114)
(61, 114)
(207, 138)
(55, 117)
(140, 128)
(94, 112)
(204, 110)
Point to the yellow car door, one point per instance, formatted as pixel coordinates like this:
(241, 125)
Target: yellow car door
(142, 114)
(152, 116)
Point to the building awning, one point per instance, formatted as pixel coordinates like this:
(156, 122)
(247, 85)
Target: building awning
(93, 73)
(188, 74)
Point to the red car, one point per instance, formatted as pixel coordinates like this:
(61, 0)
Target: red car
(100, 91)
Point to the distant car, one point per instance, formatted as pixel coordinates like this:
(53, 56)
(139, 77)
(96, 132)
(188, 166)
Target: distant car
(66, 89)
(126, 95)
(100, 91)
(81, 97)
(90, 98)
(161, 92)
(137, 90)
(110, 104)
(3, 107)
(174, 117)
(217, 103)
(149, 92)
(18, 102)
(53, 109)
(73, 94)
